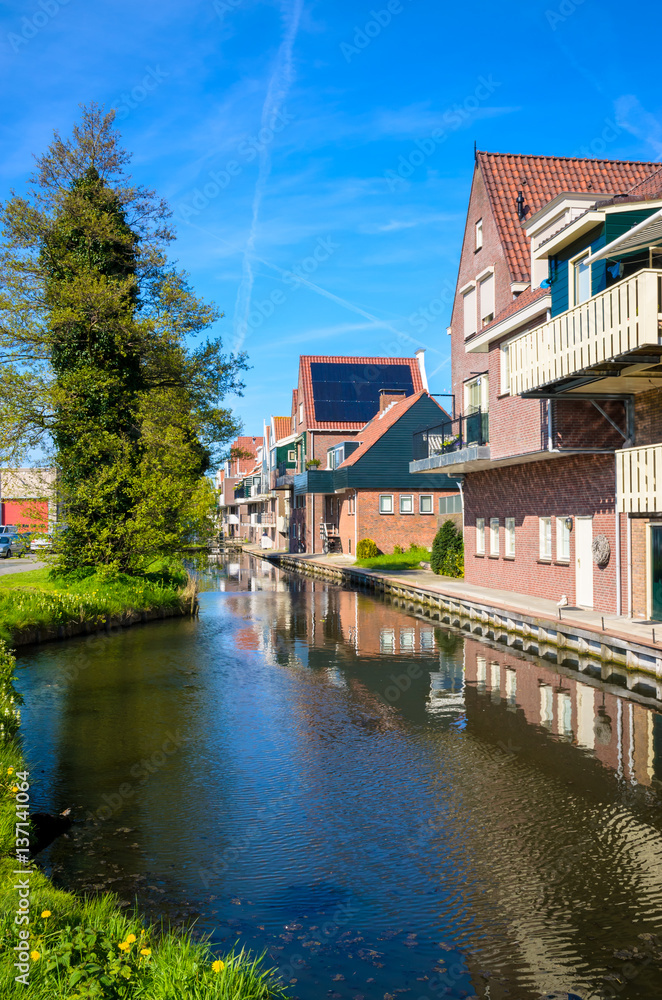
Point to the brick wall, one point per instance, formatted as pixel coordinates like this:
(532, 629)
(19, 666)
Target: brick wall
(388, 530)
(648, 417)
(562, 487)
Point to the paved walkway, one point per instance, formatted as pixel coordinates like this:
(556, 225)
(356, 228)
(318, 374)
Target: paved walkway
(22, 565)
(645, 633)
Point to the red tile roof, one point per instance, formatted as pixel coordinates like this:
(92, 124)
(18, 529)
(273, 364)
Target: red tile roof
(541, 178)
(305, 380)
(651, 187)
(381, 423)
(249, 444)
(282, 427)
(524, 299)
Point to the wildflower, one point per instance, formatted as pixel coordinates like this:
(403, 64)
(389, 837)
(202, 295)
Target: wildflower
(131, 938)
(124, 946)
(46, 914)
(145, 951)
(217, 966)
(35, 956)
(10, 770)
(15, 788)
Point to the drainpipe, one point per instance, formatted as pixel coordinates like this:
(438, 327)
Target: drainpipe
(460, 483)
(629, 558)
(550, 446)
(617, 517)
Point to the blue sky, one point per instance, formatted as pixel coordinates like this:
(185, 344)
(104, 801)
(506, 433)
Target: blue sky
(318, 154)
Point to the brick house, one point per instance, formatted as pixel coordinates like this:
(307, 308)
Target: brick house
(335, 398)
(29, 499)
(554, 378)
(233, 508)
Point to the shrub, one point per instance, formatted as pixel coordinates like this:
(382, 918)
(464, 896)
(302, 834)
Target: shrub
(366, 549)
(398, 550)
(448, 551)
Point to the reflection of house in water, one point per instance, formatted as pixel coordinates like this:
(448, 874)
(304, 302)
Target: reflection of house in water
(625, 736)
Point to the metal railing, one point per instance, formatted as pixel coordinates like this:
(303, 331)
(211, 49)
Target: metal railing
(453, 435)
(620, 319)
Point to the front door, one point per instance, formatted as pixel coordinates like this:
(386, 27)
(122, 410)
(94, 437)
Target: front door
(656, 572)
(584, 561)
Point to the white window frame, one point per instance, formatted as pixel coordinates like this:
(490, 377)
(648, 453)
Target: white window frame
(573, 298)
(480, 536)
(406, 496)
(478, 235)
(486, 318)
(509, 538)
(470, 311)
(483, 383)
(421, 498)
(292, 455)
(562, 536)
(545, 539)
(300, 413)
(494, 536)
(386, 496)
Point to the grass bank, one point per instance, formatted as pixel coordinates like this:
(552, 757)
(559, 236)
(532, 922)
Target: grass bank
(411, 559)
(75, 948)
(36, 600)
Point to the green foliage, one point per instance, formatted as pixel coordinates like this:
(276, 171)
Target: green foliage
(411, 559)
(448, 551)
(366, 549)
(398, 550)
(95, 332)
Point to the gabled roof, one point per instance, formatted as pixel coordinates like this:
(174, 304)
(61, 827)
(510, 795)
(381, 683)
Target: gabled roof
(282, 428)
(306, 382)
(382, 422)
(541, 178)
(651, 187)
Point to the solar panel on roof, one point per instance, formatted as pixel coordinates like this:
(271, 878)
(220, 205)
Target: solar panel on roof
(349, 393)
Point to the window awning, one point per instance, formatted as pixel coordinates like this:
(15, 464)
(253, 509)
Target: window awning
(640, 237)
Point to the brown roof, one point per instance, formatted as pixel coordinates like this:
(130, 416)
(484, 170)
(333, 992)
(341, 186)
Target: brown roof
(651, 187)
(378, 426)
(541, 178)
(306, 381)
(282, 427)
(523, 300)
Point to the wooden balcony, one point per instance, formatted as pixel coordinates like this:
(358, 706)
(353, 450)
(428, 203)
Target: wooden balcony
(608, 345)
(639, 479)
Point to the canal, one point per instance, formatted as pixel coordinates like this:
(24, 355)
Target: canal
(385, 807)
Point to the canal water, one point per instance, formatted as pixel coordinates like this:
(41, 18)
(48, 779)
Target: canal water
(385, 807)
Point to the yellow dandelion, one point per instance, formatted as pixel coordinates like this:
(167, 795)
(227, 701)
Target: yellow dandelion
(124, 946)
(45, 914)
(145, 951)
(15, 788)
(131, 938)
(217, 966)
(10, 770)
(35, 956)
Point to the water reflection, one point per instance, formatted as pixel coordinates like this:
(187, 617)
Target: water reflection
(387, 807)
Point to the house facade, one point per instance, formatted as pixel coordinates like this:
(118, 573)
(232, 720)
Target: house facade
(554, 341)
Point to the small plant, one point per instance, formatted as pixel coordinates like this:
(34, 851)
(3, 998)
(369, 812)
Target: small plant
(313, 463)
(448, 551)
(366, 549)
(398, 550)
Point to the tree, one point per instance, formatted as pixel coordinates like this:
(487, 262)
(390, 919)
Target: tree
(448, 551)
(95, 332)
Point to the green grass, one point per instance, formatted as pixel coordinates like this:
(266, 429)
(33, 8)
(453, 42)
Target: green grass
(74, 950)
(410, 559)
(38, 599)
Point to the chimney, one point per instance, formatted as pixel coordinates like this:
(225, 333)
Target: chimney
(420, 357)
(388, 396)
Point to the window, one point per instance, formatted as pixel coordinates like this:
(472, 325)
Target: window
(545, 534)
(451, 505)
(407, 637)
(300, 413)
(331, 458)
(387, 640)
(426, 504)
(563, 539)
(510, 537)
(504, 357)
(386, 504)
(511, 686)
(481, 673)
(469, 307)
(581, 279)
(480, 536)
(351, 505)
(427, 639)
(479, 234)
(487, 300)
(292, 456)
(494, 536)
(407, 504)
(477, 394)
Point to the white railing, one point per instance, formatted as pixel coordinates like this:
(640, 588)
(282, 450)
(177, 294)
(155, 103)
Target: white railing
(639, 479)
(621, 319)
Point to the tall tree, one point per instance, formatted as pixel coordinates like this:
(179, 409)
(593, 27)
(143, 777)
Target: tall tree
(95, 342)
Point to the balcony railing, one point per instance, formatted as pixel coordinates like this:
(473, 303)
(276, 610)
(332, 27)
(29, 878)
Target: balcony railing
(639, 479)
(620, 320)
(453, 435)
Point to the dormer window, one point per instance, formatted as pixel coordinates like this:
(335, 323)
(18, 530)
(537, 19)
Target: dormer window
(479, 236)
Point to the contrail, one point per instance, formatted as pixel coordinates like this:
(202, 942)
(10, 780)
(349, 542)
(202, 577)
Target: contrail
(279, 85)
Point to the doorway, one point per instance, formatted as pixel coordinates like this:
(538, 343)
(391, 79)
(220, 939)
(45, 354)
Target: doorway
(656, 571)
(584, 561)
